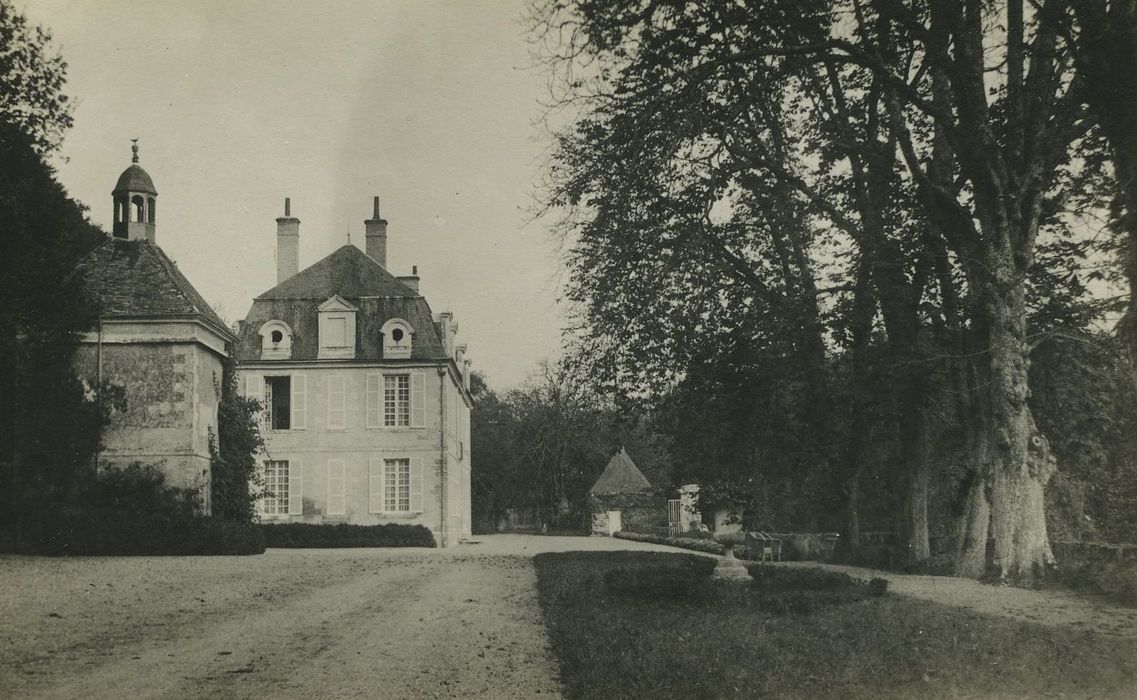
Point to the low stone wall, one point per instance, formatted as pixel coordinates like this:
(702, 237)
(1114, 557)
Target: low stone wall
(808, 546)
(1101, 566)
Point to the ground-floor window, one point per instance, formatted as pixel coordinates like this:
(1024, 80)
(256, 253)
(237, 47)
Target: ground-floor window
(397, 485)
(276, 487)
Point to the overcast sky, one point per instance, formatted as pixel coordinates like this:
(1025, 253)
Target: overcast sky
(432, 106)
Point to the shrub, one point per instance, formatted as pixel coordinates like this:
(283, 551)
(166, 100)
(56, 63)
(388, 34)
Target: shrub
(108, 532)
(309, 535)
(132, 512)
(773, 589)
(698, 545)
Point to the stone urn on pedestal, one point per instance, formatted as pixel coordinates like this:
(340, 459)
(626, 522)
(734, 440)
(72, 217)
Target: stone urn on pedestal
(729, 568)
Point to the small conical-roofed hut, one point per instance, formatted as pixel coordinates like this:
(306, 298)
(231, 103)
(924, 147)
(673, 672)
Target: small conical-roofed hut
(623, 498)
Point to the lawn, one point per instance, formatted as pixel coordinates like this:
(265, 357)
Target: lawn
(612, 644)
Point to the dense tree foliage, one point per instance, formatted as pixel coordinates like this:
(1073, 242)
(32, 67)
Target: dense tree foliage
(31, 82)
(49, 420)
(540, 447)
(887, 201)
(234, 449)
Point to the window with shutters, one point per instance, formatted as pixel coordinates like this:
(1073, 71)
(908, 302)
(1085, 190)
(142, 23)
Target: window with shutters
(397, 485)
(275, 499)
(396, 400)
(277, 412)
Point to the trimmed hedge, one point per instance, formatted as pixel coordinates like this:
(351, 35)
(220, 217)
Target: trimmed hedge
(130, 511)
(776, 590)
(697, 545)
(107, 532)
(313, 536)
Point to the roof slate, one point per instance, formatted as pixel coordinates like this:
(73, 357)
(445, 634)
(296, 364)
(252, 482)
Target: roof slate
(620, 476)
(136, 278)
(359, 280)
(348, 271)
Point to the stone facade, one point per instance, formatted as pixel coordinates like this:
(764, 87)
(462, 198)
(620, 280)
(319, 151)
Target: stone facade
(158, 341)
(366, 392)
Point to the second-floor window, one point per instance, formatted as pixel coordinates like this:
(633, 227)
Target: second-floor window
(278, 403)
(396, 400)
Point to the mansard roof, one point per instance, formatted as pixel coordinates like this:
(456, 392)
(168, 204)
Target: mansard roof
(620, 476)
(357, 279)
(135, 278)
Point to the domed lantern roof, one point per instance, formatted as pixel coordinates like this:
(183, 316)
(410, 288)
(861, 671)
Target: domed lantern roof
(135, 179)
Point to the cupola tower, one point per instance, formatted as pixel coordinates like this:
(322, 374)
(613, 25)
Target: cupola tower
(134, 202)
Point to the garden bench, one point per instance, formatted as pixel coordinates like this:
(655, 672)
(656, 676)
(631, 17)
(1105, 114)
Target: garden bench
(763, 546)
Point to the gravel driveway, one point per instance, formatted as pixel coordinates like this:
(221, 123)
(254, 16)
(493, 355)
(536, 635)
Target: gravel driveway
(375, 623)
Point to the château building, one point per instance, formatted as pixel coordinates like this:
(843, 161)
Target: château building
(365, 391)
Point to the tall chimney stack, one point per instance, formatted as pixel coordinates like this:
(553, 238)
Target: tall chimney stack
(376, 236)
(287, 244)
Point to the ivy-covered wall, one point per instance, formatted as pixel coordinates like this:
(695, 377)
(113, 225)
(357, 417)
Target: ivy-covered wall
(637, 511)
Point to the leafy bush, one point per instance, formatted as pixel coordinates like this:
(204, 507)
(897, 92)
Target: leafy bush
(308, 535)
(132, 512)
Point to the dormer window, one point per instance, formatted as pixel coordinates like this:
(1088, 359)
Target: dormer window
(337, 329)
(397, 337)
(276, 341)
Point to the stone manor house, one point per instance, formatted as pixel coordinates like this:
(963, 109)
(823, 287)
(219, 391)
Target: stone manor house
(366, 392)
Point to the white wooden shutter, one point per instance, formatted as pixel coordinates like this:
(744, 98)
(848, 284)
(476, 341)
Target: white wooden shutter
(299, 402)
(336, 412)
(375, 483)
(418, 399)
(255, 389)
(295, 487)
(374, 401)
(416, 485)
(336, 500)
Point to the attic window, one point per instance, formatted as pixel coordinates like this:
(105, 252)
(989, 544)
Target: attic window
(276, 341)
(398, 339)
(337, 329)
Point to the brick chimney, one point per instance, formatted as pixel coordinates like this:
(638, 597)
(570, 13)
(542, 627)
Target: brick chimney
(412, 279)
(287, 244)
(376, 236)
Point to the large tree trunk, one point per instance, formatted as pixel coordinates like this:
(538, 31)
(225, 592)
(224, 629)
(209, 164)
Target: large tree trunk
(1013, 462)
(916, 450)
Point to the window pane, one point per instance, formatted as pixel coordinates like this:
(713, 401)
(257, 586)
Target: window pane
(276, 486)
(397, 489)
(278, 402)
(397, 400)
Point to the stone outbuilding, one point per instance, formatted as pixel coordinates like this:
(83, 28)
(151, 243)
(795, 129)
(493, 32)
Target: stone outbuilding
(623, 498)
(157, 340)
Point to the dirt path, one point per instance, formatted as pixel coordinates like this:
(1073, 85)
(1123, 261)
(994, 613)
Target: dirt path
(288, 624)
